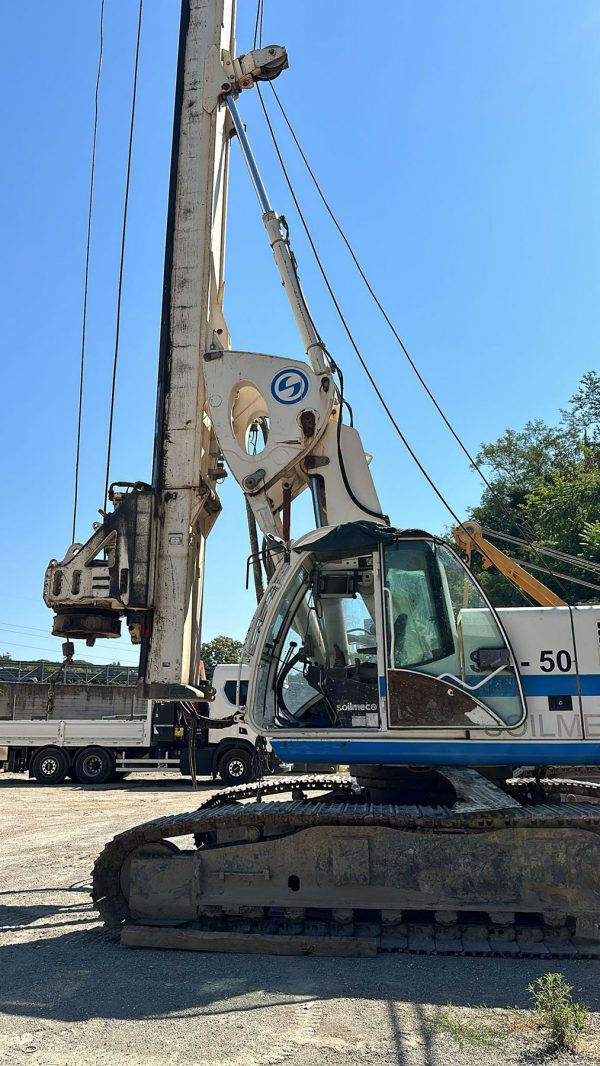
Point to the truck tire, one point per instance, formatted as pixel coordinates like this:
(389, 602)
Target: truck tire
(235, 766)
(50, 766)
(94, 766)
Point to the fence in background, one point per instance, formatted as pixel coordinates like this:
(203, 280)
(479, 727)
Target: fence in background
(77, 674)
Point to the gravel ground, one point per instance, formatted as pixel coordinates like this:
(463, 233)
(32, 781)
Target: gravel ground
(70, 994)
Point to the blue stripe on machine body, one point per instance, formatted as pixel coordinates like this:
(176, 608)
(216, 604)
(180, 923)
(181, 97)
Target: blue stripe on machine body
(538, 685)
(438, 752)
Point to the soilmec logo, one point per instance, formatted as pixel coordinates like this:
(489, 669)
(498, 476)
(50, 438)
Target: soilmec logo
(289, 386)
(357, 707)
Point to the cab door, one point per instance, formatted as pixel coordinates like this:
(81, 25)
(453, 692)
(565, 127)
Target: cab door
(448, 661)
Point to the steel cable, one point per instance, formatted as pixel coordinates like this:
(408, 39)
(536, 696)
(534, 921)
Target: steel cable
(122, 255)
(522, 523)
(380, 306)
(87, 268)
(353, 342)
(258, 25)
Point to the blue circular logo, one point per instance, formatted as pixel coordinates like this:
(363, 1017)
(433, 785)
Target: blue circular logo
(289, 386)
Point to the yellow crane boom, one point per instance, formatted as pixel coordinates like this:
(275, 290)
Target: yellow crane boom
(469, 536)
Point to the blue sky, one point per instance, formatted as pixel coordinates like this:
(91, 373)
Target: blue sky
(459, 144)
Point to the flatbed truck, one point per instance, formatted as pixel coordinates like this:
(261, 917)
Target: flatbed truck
(94, 751)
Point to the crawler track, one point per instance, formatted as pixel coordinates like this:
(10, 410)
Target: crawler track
(236, 816)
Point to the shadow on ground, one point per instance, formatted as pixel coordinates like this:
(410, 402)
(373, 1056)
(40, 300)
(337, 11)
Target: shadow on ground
(83, 974)
(134, 785)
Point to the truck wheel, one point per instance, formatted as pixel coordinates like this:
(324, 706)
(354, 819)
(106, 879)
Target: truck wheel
(50, 766)
(94, 766)
(235, 767)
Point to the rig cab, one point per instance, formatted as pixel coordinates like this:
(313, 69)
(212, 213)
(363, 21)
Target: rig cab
(373, 632)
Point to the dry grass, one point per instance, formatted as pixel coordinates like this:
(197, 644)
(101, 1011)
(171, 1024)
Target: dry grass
(486, 1031)
(486, 1028)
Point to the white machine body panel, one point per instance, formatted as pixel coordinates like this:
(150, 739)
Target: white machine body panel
(552, 673)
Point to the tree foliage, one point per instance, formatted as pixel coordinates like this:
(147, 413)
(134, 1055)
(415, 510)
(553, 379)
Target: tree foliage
(545, 487)
(219, 650)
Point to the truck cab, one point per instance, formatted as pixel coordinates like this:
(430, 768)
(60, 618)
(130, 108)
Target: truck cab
(226, 752)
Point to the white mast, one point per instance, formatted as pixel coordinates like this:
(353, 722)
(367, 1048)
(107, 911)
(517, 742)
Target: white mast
(186, 452)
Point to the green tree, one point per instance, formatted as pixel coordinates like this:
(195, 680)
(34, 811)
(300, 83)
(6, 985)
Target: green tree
(590, 538)
(5, 657)
(519, 457)
(219, 650)
(565, 506)
(545, 486)
(583, 412)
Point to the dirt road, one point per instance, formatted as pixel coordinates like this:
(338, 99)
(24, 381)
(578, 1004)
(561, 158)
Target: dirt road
(70, 994)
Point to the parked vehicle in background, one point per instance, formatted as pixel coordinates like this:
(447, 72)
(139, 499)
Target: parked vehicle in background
(94, 750)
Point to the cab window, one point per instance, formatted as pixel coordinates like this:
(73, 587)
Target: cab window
(230, 690)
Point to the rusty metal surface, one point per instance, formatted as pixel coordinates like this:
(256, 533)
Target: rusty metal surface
(422, 700)
(373, 866)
